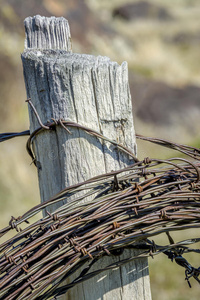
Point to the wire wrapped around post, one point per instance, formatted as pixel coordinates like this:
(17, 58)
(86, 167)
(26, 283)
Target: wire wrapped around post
(131, 205)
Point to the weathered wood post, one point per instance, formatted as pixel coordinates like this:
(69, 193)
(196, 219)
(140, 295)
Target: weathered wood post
(94, 92)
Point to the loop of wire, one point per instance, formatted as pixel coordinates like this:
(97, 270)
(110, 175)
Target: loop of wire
(128, 207)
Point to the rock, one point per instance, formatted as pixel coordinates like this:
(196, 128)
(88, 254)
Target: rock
(142, 10)
(157, 103)
(185, 38)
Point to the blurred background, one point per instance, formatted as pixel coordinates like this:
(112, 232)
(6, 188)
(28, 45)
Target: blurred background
(160, 40)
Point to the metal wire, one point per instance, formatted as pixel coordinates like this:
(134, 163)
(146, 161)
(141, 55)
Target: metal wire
(128, 206)
(166, 198)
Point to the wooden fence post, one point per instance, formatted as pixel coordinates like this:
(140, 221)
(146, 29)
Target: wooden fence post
(94, 92)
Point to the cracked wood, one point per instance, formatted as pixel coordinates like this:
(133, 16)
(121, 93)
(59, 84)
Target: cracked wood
(94, 92)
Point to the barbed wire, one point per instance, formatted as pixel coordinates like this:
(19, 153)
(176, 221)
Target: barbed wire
(127, 207)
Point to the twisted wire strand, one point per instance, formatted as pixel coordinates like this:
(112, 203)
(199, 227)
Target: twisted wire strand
(167, 200)
(128, 206)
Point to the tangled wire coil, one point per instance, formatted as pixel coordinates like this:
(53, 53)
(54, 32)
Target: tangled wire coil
(128, 206)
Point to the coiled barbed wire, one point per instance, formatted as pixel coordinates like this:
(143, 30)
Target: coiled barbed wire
(128, 206)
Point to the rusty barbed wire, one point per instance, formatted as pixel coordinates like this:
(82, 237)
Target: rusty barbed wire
(165, 199)
(128, 206)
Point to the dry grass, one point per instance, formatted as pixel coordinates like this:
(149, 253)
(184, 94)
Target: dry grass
(147, 44)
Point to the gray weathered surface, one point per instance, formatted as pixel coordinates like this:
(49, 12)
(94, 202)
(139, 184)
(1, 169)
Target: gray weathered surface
(94, 92)
(47, 33)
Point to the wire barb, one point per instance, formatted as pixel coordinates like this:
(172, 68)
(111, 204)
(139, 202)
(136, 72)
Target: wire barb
(127, 207)
(36, 114)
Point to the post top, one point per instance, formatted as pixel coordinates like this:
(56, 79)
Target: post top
(47, 33)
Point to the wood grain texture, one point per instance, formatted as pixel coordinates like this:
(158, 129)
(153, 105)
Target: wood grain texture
(94, 92)
(47, 33)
